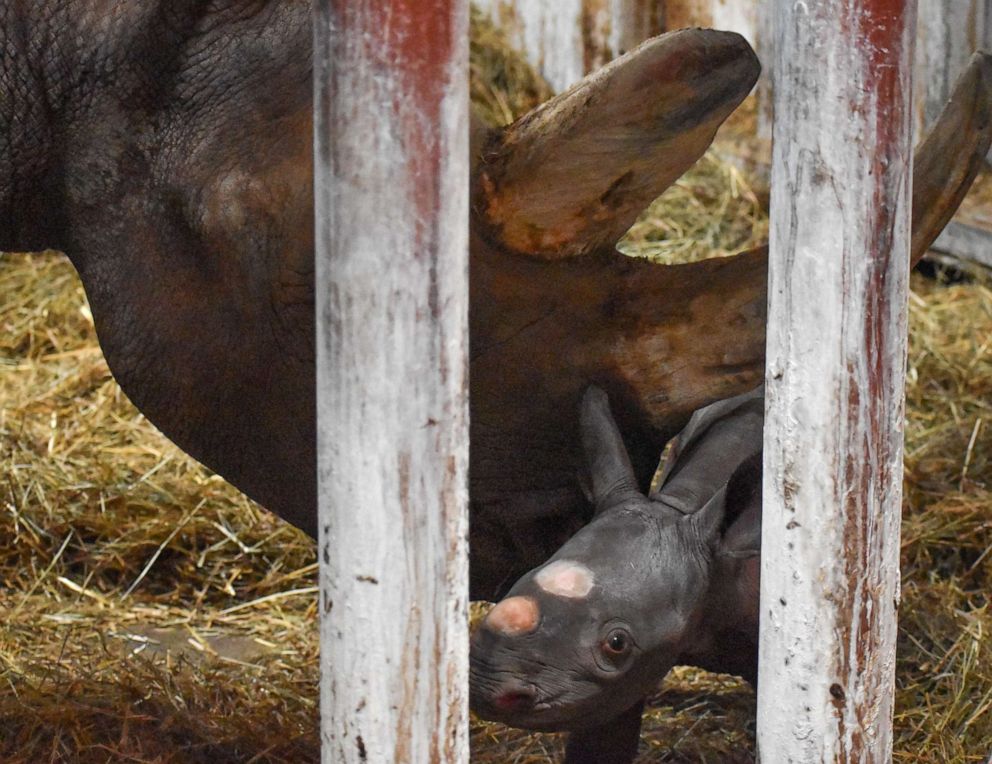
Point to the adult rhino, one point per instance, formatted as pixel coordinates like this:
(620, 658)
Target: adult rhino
(165, 146)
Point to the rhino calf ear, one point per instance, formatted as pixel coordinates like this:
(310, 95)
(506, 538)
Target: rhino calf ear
(611, 475)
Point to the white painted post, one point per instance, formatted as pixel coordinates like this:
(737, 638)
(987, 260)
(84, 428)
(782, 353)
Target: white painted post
(948, 32)
(986, 38)
(753, 19)
(631, 22)
(391, 101)
(741, 16)
(566, 39)
(764, 46)
(836, 355)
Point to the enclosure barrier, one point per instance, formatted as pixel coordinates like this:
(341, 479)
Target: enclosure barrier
(392, 211)
(836, 356)
(948, 32)
(566, 39)
(391, 109)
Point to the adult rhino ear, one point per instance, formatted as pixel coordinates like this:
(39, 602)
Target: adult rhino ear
(611, 476)
(742, 520)
(731, 519)
(571, 177)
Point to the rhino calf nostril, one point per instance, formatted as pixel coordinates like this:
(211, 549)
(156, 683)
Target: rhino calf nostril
(513, 616)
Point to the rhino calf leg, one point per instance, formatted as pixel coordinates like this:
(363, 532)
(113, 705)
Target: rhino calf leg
(612, 743)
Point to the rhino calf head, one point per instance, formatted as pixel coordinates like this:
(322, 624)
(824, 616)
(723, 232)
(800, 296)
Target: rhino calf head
(649, 583)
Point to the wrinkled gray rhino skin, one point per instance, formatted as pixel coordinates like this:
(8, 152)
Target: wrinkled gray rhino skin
(650, 583)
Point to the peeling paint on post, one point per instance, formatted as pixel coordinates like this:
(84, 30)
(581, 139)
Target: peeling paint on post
(566, 39)
(739, 16)
(948, 32)
(764, 46)
(391, 125)
(835, 379)
(752, 19)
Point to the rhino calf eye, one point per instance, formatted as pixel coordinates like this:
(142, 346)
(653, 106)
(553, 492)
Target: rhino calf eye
(617, 642)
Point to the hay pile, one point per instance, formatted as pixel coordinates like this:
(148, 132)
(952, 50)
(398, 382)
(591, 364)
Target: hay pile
(113, 545)
(502, 85)
(944, 672)
(150, 613)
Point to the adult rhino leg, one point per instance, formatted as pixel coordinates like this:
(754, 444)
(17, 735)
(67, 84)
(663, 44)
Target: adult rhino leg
(612, 743)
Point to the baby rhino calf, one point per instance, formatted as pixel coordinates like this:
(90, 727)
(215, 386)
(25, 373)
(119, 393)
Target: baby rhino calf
(650, 583)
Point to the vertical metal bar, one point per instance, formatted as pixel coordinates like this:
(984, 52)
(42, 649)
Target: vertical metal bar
(391, 142)
(839, 267)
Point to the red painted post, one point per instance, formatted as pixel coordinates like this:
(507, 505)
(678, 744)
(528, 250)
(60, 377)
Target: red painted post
(391, 125)
(836, 359)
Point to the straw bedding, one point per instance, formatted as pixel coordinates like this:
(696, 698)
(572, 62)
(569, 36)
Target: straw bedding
(151, 613)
